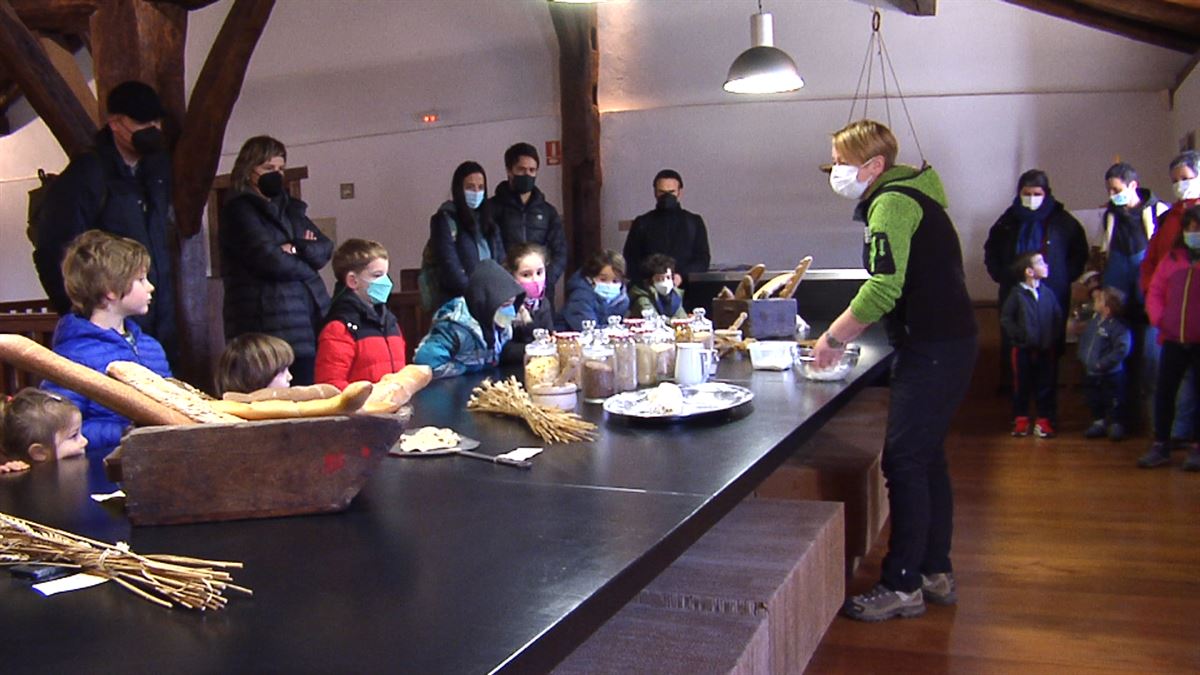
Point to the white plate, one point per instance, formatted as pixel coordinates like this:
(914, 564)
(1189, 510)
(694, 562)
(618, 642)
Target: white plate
(464, 443)
(701, 399)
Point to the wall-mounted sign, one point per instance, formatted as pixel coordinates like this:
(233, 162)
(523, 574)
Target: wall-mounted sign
(553, 153)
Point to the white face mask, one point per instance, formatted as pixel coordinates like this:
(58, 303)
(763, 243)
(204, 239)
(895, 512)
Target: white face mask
(1032, 202)
(844, 181)
(1189, 188)
(664, 287)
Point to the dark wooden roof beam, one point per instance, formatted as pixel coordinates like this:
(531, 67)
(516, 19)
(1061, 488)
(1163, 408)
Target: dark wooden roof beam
(1142, 30)
(916, 7)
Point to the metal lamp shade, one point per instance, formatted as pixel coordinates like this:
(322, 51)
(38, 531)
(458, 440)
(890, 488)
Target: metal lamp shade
(764, 68)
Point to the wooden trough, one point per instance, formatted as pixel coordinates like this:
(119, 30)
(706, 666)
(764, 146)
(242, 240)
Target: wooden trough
(209, 472)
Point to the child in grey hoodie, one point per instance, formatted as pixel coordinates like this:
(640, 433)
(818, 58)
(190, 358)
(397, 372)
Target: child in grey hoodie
(1103, 348)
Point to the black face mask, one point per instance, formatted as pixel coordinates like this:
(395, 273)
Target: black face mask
(148, 141)
(668, 201)
(522, 184)
(271, 184)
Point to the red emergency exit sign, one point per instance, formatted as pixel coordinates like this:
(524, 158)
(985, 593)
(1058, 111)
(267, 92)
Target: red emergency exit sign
(553, 153)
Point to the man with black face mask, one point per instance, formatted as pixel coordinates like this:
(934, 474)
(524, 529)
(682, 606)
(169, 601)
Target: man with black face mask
(523, 214)
(669, 230)
(122, 186)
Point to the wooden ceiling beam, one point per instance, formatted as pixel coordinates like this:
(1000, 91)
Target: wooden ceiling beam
(23, 56)
(916, 7)
(68, 17)
(1162, 13)
(1141, 31)
(187, 4)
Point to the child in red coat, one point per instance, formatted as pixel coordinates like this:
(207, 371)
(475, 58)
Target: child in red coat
(361, 339)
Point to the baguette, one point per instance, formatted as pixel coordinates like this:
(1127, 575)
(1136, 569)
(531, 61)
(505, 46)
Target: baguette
(349, 401)
(756, 272)
(27, 355)
(790, 290)
(745, 289)
(311, 392)
(396, 389)
(768, 289)
(725, 294)
(150, 383)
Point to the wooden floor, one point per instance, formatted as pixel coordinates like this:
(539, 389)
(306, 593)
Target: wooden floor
(1068, 559)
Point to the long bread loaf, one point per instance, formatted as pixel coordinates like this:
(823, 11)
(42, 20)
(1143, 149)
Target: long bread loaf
(349, 401)
(396, 389)
(185, 400)
(23, 353)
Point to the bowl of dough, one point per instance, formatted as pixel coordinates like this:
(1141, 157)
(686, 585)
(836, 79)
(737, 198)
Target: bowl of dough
(806, 364)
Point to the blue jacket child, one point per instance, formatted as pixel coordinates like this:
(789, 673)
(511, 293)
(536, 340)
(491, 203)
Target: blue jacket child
(468, 333)
(583, 302)
(82, 341)
(1104, 345)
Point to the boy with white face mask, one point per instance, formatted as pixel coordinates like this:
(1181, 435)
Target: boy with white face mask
(657, 292)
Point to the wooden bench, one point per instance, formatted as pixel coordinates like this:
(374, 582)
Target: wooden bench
(754, 595)
(841, 463)
(34, 320)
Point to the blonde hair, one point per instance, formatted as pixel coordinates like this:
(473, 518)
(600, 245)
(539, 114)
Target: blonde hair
(250, 361)
(33, 416)
(859, 141)
(254, 151)
(98, 263)
(354, 255)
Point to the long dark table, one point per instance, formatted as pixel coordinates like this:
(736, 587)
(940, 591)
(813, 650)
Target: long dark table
(441, 565)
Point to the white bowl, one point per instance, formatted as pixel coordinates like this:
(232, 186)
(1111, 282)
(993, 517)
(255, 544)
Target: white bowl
(772, 354)
(806, 366)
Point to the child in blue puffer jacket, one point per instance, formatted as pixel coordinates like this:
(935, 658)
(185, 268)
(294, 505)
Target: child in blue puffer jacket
(596, 291)
(1103, 347)
(105, 276)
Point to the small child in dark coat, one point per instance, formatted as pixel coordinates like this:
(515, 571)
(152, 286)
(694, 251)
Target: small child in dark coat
(1103, 347)
(1032, 320)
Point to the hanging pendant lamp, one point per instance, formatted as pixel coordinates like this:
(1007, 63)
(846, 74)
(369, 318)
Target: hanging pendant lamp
(764, 68)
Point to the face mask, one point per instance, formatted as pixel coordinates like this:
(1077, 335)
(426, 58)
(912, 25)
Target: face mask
(148, 141)
(608, 291)
(1188, 188)
(1032, 202)
(844, 181)
(380, 289)
(270, 184)
(1123, 197)
(474, 199)
(533, 288)
(664, 287)
(505, 316)
(668, 201)
(1192, 240)
(522, 184)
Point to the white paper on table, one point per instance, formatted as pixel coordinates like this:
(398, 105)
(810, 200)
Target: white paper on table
(522, 454)
(101, 497)
(74, 582)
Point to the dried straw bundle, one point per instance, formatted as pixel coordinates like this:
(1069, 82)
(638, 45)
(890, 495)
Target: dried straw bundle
(510, 398)
(165, 580)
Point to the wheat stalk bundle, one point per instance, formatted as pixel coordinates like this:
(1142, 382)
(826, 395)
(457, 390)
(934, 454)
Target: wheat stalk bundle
(166, 580)
(509, 397)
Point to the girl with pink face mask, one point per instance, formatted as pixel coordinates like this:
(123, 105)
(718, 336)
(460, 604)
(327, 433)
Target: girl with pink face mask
(527, 263)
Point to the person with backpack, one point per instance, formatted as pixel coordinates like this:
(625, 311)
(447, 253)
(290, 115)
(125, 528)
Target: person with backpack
(461, 234)
(121, 186)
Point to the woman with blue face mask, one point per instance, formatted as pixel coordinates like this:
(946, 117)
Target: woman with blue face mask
(461, 234)
(596, 291)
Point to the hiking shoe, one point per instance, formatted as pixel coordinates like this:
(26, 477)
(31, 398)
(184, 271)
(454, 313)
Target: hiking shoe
(1097, 430)
(1157, 455)
(1192, 463)
(1020, 426)
(1043, 429)
(882, 603)
(939, 588)
(1116, 432)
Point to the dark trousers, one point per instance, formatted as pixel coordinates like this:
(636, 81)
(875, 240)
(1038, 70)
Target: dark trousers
(928, 383)
(1105, 396)
(1035, 375)
(1174, 361)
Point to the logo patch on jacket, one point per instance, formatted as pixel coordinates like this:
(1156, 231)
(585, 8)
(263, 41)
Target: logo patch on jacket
(877, 251)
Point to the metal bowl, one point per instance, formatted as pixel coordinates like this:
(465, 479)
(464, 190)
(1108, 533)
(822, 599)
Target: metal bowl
(805, 364)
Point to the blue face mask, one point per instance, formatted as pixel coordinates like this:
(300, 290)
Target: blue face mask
(1122, 198)
(505, 316)
(474, 199)
(1192, 240)
(380, 289)
(608, 291)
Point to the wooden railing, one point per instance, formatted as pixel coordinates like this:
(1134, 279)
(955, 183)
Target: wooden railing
(35, 320)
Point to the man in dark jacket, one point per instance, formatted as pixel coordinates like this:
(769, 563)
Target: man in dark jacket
(669, 230)
(523, 214)
(122, 186)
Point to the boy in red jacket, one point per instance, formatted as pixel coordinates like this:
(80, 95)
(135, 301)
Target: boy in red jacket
(361, 339)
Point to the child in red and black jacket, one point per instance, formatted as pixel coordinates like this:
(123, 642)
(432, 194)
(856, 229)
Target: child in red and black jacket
(361, 339)
(1032, 320)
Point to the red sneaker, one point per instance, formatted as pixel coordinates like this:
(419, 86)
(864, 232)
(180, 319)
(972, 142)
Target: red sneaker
(1043, 429)
(1020, 426)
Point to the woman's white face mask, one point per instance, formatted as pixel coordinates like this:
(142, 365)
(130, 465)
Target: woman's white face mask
(843, 178)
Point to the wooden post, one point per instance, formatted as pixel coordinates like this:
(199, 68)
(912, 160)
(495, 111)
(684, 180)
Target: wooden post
(579, 74)
(23, 57)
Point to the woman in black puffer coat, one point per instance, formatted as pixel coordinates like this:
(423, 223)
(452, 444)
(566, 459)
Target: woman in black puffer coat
(270, 257)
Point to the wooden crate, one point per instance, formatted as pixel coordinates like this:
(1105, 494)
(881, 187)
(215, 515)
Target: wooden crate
(770, 318)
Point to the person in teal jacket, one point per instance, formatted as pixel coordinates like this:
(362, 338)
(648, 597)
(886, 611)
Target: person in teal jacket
(469, 332)
(918, 289)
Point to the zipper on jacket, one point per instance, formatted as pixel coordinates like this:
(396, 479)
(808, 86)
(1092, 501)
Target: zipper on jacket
(1187, 285)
